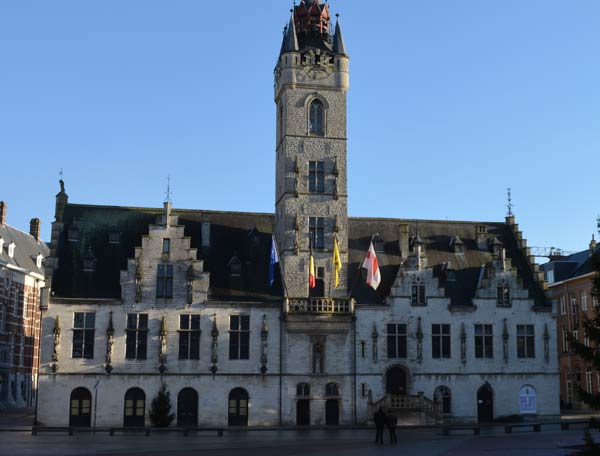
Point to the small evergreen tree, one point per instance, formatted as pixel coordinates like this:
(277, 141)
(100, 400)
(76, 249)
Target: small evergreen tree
(591, 355)
(160, 409)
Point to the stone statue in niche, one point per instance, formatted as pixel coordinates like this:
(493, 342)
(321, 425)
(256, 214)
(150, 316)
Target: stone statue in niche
(318, 355)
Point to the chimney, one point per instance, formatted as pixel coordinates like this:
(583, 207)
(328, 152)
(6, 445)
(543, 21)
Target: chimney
(481, 237)
(592, 245)
(2, 213)
(62, 199)
(205, 231)
(34, 228)
(403, 240)
(167, 213)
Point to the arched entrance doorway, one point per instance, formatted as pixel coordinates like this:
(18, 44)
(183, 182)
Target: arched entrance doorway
(187, 408)
(396, 381)
(80, 408)
(135, 408)
(485, 403)
(238, 407)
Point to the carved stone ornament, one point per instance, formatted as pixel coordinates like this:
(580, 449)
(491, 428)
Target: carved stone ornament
(56, 341)
(264, 336)
(463, 344)
(139, 277)
(162, 355)
(375, 337)
(190, 284)
(110, 341)
(546, 343)
(214, 345)
(419, 341)
(505, 341)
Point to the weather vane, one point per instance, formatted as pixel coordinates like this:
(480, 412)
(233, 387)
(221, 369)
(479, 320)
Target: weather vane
(60, 174)
(509, 204)
(168, 193)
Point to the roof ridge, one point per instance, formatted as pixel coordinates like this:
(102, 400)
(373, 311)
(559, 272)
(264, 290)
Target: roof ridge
(392, 219)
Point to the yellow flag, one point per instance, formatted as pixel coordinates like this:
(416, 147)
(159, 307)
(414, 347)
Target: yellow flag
(337, 262)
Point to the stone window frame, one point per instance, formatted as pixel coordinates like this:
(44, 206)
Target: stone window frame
(394, 339)
(503, 295)
(189, 337)
(136, 337)
(166, 246)
(316, 232)
(525, 341)
(486, 341)
(443, 338)
(307, 107)
(87, 330)
(239, 337)
(418, 296)
(164, 280)
(316, 176)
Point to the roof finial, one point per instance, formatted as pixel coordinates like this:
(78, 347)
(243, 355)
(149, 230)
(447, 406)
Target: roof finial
(509, 204)
(168, 192)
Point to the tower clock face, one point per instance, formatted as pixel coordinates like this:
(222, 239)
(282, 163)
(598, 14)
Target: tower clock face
(316, 64)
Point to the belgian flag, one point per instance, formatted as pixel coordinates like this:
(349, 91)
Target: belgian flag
(312, 276)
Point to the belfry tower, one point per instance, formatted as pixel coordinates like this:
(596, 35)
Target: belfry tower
(311, 81)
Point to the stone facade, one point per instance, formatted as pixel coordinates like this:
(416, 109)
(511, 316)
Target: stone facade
(269, 352)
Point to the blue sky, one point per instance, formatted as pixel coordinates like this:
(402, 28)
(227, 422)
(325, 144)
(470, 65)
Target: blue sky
(451, 102)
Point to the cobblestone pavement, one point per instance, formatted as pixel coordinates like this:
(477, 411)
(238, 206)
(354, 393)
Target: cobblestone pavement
(278, 443)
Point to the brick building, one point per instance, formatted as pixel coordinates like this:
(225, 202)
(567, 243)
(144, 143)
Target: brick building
(459, 327)
(570, 287)
(21, 284)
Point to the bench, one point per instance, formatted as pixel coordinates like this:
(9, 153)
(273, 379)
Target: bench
(564, 425)
(149, 430)
(537, 427)
(37, 429)
(476, 429)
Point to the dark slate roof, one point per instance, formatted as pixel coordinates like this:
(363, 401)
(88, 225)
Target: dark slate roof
(26, 249)
(571, 266)
(247, 236)
(244, 235)
(460, 281)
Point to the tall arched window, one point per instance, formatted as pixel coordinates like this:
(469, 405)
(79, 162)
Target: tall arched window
(316, 115)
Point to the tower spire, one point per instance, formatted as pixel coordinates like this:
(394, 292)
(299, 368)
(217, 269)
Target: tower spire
(339, 47)
(290, 38)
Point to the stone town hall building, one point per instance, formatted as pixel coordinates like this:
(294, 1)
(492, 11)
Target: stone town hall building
(458, 328)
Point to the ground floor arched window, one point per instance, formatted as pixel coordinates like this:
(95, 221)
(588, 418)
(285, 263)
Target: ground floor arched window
(80, 408)
(135, 408)
(238, 407)
(527, 399)
(187, 408)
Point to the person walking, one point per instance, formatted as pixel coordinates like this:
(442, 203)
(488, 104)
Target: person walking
(391, 422)
(379, 418)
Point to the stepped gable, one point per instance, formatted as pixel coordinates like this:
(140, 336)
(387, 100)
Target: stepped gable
(27, 248)
(437, 236)
(246, 236)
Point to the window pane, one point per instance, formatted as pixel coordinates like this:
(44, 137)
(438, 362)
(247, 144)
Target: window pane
(233, 345)
(143, 321)
(195, 345)
(168, 287)
(169, 270)
(142, 339)
(391, 329)
(446, 347)
(78, 320)
(402, 347)
(90, 319)
(88, 344)
(234, 322)
(131, 321)
(435, 347)
(195, 322)
(77, 343)
(183, 345)
(245, 322)
(130, 345)
(184, 322)
(245, 346)
(391, 347)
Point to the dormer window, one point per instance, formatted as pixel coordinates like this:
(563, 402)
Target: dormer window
(379, 244)
(458, 245)
(235, 267)
(89, 261)
(114, 236)
(38, 260)
(73, 232)
(496, 246)
(11, 249)
(166, 246)
(316, 117)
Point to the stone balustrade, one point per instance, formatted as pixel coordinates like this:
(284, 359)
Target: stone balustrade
(319, 305)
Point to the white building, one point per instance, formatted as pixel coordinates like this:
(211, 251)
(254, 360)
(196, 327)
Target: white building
(459, 326)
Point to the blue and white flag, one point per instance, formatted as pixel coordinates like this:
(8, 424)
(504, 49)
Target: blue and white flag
(274, 259)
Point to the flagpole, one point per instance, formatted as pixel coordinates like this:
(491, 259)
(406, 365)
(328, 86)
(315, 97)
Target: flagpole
(281, 271)
(360, 267)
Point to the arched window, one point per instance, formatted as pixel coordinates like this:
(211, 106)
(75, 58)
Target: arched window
(303, 389)
(443, 398)
(80, 408)
(332, 389)
(527, 399)
(135, 408)
(187, 408)
(238, 407)
(316, 118)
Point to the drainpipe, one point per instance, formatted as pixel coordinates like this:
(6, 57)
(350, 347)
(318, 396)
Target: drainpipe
(281, 320)
(354, 368)
(39, 353)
